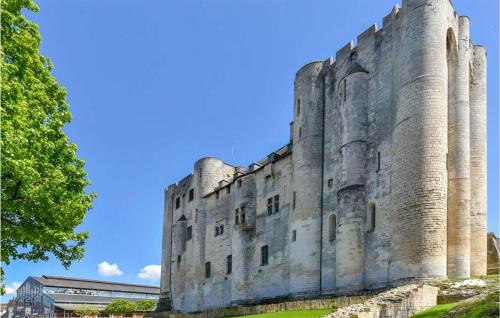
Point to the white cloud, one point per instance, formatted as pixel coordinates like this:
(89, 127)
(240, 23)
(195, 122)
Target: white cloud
(150, 272)
(11, 288)
(107, 269)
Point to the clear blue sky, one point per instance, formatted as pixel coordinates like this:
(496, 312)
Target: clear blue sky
(154, 85)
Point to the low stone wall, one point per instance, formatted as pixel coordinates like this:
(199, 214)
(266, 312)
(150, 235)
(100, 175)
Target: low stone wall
(400, 302)
(322, 303)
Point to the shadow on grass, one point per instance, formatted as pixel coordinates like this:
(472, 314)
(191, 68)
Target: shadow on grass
(313, 313)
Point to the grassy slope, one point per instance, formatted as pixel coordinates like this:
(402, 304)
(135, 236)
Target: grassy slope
(292, 314)
(436, 311)
(485, 308)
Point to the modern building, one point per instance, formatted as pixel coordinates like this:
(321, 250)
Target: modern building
(383, 179)
(54, 296)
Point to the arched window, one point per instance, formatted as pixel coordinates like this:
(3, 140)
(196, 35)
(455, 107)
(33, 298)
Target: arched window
(370, 218)
(264, 255)
(332, 227)
(207, 270)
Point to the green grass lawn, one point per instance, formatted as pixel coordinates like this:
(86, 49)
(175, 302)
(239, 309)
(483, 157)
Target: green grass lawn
(316, 313)
(436, 311)
(485, 308)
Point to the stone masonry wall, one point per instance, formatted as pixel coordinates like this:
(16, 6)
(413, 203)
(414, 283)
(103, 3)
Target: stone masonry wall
(383, 180)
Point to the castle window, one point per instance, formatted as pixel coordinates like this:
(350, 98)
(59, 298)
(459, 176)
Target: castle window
(237, 216)
(177, 203)
(264, 255)
(219, 228)
(294, 235)
(298, 107)
(293, 201)
(332, 235)
(276, 203)
(217, 194)
(378, 161)
(344, 90)
(207, 270)
(189, 233)
(228, 189)
(300, 132)
(179, 258)
(229, 264)
(191, 194)
(269, 206)
(238, 183)
(242, 215)
(330, 183)
(370, 218)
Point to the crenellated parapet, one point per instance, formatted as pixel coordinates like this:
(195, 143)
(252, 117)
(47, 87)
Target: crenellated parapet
(382, 181)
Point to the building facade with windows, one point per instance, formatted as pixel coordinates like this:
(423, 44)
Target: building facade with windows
(383, 179)
(54, 296)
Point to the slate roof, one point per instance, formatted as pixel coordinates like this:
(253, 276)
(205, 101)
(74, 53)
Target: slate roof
(69, 282)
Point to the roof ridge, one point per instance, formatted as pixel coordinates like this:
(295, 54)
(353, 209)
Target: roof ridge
(92, 281)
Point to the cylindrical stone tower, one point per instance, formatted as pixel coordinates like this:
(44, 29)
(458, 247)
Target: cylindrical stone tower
(478, 255)
(459, 158)
(307, 164)
(419, 176)
(352, 193)
(207, 175)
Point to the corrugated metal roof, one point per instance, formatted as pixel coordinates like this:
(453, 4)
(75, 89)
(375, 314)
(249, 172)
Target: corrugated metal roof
(69, 282)
(83, 299)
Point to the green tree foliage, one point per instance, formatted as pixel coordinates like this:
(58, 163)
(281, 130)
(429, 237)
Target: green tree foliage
(86, 311)
(120, 306)
(146, 305)
(43, 181)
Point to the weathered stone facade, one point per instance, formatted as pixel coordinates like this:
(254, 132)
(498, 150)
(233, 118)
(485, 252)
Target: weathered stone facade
(384, 178)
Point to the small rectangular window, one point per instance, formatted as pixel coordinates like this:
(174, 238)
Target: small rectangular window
(276, 203)
(298, 107)
(264, 257)
(179, 258)
(217, 194)
(344, 90)
(189, 233)
(191, 194)
(219, 229)
(269, 206)
(370, 220)
(229, 264)
(207, 270)
(237, 216)
(242, 215)
(378, 161)
(294, 235)
(238, 183)
(332, 235)
(330, 183)
(300, 132)
(177, 203)
(293, 201)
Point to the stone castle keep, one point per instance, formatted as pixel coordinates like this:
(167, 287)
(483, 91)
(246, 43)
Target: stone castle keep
(383, 180)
